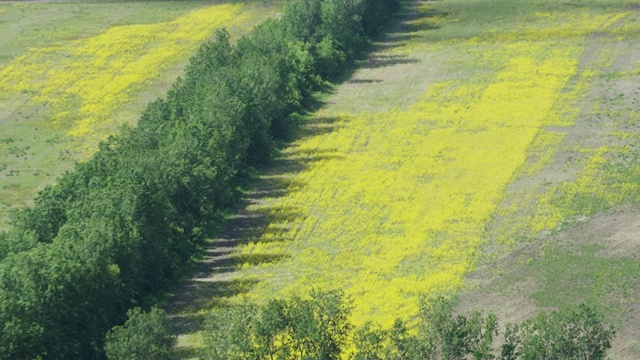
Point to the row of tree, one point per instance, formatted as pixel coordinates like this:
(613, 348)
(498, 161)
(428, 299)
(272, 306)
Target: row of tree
(118, 228)
(318, 328)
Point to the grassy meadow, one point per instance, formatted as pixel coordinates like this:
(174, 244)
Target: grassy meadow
(72, 73)
(461, 156)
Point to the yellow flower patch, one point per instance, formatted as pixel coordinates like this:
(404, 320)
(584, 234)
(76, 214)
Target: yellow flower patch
(394, 205)
(86, 81)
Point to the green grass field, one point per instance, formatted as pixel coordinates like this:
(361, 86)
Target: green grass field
(71, 73)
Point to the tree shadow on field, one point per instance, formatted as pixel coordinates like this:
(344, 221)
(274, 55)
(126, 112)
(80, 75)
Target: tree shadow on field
(188, 311)
(260, 219)
(408, 24)
(364, 81)
(316, 126)
(380, 60)
(411, 21)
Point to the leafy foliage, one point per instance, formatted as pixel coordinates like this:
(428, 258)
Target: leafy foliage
(318, 328)
(336, 30)
(572, 333)
(144, 336)
(315, 328)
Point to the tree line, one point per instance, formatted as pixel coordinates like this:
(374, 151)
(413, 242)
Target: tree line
(116, 230)
(319, 328)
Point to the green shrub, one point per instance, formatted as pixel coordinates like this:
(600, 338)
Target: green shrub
(144, 336)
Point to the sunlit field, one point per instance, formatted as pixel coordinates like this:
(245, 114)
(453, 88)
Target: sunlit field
(408, 174)
(81, 76)
(100, 73)
(484, 148)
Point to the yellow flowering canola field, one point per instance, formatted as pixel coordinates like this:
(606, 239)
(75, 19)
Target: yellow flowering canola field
(84, 82)
(393, 205)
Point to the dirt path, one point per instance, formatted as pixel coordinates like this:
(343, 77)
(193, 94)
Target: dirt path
(214, 277)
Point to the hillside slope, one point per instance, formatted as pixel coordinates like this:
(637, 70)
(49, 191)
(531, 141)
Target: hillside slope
(72, 73)
(475, 128)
